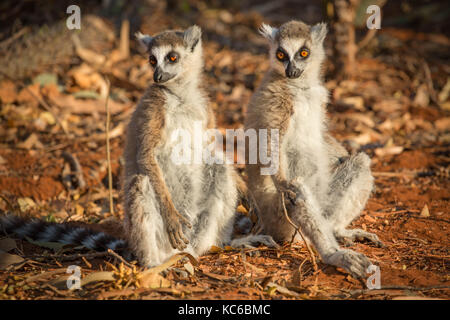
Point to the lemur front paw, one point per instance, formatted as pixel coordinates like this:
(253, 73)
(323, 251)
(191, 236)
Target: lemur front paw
(353, 262)
(174, 230)
(349, 236)
(292, 191)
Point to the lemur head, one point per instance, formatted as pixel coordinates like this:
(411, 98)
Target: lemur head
(174, 55)
(296, 49)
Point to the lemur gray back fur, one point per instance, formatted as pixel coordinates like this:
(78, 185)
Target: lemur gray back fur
(327, 188)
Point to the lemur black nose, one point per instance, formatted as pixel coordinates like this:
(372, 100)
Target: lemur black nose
(292, 72)
(157, 76)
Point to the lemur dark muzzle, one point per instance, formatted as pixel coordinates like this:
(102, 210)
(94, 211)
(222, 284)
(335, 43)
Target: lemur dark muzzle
(293, 72)
(160, 76)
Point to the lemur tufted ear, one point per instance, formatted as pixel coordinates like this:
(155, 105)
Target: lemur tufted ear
(144, 39)
(192, 36)
(318, 32)
(268, 32)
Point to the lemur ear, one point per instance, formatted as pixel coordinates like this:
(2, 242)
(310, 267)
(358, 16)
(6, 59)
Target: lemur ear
(268, 32)
(144, 39)
(318, 32)
(192, 36)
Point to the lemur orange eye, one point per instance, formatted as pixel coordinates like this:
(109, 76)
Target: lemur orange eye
(304, 53)
(280, 55)
(172, 57)
(152, 60)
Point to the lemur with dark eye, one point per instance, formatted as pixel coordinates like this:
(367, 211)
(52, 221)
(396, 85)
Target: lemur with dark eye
(327, 187)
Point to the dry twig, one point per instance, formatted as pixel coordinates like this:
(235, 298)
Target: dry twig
(108, 152)
(115, 255)
(311, 253)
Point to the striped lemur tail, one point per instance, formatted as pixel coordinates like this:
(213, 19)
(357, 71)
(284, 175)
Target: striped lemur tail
(42, 231)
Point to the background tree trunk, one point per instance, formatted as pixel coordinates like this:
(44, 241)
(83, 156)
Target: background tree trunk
(344, 40)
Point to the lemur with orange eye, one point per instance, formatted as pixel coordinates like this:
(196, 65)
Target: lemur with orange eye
(326, 186)
(169, 207)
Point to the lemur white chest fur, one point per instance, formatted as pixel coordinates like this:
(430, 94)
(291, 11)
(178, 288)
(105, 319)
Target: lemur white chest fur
(303, 143)
(185, 119)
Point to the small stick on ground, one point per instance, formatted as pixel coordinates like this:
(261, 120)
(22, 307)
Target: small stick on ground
(311, 253)
(115, 255)
(108, 153)
(429, 83)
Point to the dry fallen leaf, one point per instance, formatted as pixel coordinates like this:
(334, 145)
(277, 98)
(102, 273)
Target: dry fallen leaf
(8, 92)
(27, 98)
(425, 212)
(31, 142)
(443, 125)
(79, 210)
(153, 280)
(381, 152)
(356, 101)
(422, 98)
(7, 260)
(98, 276)
(189, 268)
(25, 204)
(215, 249)
(283, 290)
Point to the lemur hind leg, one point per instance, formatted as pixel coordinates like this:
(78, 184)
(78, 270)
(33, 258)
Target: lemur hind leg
(214, 226)
(216, 206)
(307, 214)
(348, 192)
(144, 225)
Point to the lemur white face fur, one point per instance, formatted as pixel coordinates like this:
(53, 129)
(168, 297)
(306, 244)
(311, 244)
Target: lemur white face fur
(173, 54)
(296, 49)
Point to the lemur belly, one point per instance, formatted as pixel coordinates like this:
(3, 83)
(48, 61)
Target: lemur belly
(303, 144)
(182, 127)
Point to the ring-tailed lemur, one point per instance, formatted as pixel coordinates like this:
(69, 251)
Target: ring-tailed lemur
(327, 187)
(169, 207)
